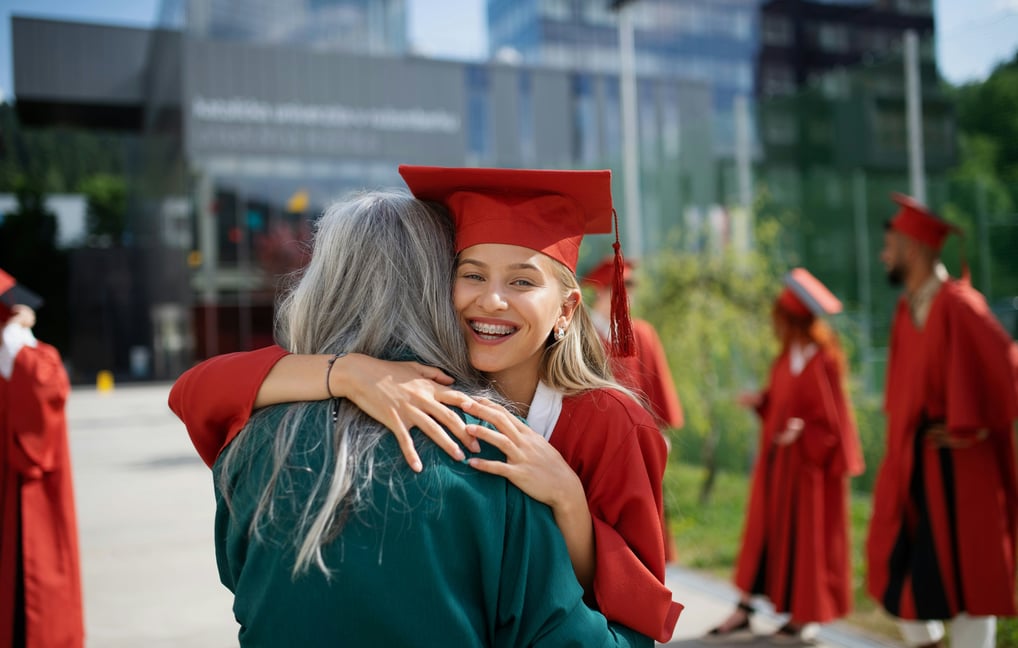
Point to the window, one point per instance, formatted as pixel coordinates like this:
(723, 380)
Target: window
(779, 129)
(776, 31)
(528, 147)
(777, 80)
(647, 123)
(480, 140)
(915, 7)
(585, 148)
(555, 9)
(833, 38)
(611, 118)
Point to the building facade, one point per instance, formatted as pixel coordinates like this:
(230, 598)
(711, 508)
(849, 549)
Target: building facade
(713, 42)
(242, 142)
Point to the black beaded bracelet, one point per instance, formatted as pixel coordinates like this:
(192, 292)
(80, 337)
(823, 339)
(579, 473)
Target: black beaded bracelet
(328, 372)
(328, 388)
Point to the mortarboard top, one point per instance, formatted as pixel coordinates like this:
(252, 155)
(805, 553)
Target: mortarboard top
(601, 274)
(916, 221)
(804, 295)
(544, 210)
(11, 293)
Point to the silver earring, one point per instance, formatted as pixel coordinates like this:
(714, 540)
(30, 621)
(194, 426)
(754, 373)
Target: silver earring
(560, 333)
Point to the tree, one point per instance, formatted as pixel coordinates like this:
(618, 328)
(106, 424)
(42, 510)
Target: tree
(106, 196)
(983, 188)
(29, 253)
(712, 310)
(987, 108)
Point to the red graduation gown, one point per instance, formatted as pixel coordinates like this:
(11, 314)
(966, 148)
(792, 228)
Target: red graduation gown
(36, 497)
(942, 538)
(647, 373)
(617, 451)
(609, 441)
(795, 545)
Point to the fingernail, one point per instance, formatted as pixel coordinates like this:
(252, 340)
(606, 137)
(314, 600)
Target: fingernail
(475, 446)
(459, 454)
(416, 466)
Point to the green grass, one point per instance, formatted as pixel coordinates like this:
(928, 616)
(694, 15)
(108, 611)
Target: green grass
(708, 539)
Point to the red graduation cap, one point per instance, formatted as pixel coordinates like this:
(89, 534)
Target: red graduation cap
(805, 296)
(544, 210)
(918, 222)
(11, 293)
(547, 211)
(600, 276)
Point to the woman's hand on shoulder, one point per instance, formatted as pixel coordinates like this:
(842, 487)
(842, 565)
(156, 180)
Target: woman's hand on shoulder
(531, 463)
(404, 395)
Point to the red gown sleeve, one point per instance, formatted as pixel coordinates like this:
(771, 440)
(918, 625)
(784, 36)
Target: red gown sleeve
(39, 386)
(622, 478)
(829, 437)
(982, 390)
(215, 398)
(656, 378)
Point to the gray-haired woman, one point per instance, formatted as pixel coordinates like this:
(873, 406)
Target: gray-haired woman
(325, 535)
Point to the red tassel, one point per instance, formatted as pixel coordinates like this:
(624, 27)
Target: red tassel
(622, 339)
(966, 276)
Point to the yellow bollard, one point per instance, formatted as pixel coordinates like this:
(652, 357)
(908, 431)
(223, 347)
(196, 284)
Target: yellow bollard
(104, 381)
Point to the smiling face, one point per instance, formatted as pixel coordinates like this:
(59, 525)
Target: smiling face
(509, 302)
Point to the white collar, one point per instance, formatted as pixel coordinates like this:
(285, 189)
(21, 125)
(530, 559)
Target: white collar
(544, 410)
(12, 338)
(799, 355)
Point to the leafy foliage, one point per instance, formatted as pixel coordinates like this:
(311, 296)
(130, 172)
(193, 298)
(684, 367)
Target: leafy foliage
(58, 158)
(983, 188)
(106, 197)
(28, 252)
(712, 311)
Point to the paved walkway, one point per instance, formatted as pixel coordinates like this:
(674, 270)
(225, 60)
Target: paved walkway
(145, 512)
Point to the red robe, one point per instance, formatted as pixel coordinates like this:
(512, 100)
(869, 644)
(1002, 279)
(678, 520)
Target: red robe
(36, 497)
(610, 442)
(795, 545)
(647, 373)
(942, 538)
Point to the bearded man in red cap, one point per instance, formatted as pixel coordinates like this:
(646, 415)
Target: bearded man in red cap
(942, 539)
(40, 578)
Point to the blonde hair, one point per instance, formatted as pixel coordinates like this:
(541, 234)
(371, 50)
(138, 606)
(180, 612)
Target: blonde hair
(578, 362)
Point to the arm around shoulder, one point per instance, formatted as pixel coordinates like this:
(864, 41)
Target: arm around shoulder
(215, 398)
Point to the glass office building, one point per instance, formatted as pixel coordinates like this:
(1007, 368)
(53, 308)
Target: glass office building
(247, 127)
(713, 42)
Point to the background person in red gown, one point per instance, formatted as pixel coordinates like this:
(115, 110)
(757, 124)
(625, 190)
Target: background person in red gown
(646, 372)
(40, 580)
(795, 545)
(942, 538)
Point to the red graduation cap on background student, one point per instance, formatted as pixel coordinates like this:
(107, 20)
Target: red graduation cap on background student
(600, 276)
(805, 296)
(12, 293)
(544, 210)
(915, 220)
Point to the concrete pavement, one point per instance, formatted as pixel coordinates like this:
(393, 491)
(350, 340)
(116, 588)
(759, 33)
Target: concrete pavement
(145, 511)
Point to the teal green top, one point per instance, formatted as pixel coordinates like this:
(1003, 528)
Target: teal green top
(447, 557)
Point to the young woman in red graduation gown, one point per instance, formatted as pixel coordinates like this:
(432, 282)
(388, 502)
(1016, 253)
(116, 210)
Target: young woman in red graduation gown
(590, 450)
(40, 566)
(795, 545)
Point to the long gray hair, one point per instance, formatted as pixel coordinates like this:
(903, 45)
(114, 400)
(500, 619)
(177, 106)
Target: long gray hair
(378, 283)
